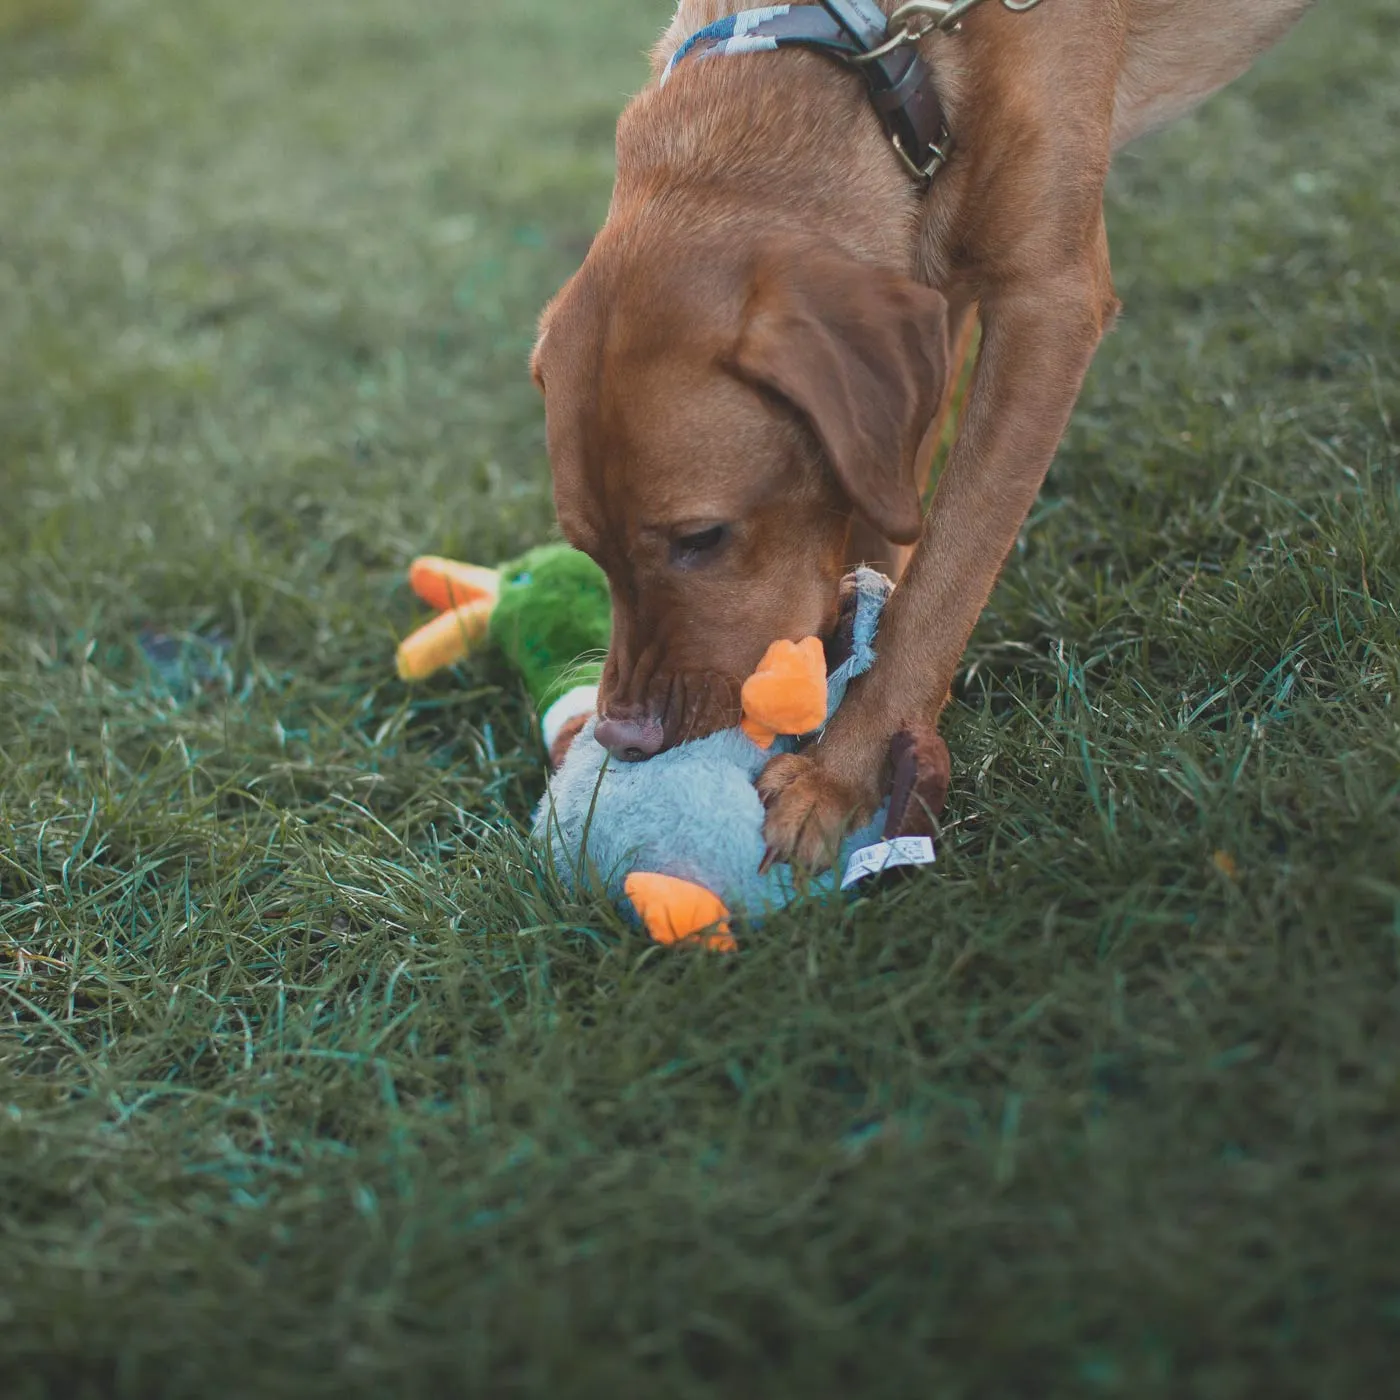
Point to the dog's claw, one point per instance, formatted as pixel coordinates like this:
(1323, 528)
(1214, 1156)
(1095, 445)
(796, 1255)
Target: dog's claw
(770, 855)
(808, 811)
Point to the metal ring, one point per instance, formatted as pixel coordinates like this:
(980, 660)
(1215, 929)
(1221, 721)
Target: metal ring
(900, 40)
(960, 7)
(950, 13)
(943, 16)
(934, 11)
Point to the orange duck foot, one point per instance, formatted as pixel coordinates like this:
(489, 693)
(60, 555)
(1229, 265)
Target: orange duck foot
(677, 911)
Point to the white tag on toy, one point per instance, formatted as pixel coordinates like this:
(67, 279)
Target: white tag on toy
(886, 855)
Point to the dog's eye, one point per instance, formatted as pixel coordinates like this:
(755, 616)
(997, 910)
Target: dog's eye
(690, 550)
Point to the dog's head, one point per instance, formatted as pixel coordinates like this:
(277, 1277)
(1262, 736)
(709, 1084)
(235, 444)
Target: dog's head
(719, 407)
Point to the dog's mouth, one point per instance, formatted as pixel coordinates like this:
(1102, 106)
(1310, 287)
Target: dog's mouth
(699, 705)
(685, 706)
(660, 712)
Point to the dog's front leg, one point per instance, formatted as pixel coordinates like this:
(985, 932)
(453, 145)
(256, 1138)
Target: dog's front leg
(1039, 336)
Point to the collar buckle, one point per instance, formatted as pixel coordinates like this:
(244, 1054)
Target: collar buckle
(939, 152)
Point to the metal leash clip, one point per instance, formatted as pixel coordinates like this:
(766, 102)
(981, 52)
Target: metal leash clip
(943, 16)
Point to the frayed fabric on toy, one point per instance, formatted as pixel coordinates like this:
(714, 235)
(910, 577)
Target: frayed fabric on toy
(677, 842)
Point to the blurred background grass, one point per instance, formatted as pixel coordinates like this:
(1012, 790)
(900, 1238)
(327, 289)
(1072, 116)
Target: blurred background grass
(311, 1087)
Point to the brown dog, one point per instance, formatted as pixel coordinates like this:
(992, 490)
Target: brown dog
(739, 379)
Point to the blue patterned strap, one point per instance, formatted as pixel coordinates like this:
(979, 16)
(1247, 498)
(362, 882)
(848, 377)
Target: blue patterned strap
(765, 30)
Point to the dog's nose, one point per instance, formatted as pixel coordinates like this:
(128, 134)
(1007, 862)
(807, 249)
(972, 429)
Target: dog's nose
(630, 740)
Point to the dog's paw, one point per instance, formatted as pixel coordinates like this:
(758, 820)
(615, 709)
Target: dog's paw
(809, 810)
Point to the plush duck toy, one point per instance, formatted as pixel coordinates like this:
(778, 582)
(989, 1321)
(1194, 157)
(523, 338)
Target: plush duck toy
(548, 612)
(676, 842)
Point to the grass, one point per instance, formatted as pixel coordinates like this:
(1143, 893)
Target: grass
(310, 1088)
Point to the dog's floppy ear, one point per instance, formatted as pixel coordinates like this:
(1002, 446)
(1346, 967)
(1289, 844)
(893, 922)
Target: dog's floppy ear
(861, 353)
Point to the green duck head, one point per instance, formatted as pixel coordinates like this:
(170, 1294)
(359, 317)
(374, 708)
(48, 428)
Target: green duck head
(552, 620)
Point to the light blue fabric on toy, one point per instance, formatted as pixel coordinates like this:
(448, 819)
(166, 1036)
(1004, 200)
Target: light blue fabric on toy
(691, 812)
